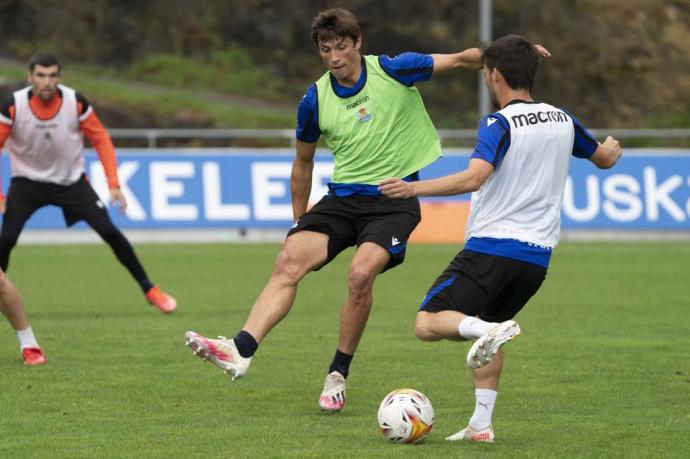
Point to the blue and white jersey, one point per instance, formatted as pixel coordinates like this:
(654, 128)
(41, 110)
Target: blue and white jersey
(516, 213)
(406, 68)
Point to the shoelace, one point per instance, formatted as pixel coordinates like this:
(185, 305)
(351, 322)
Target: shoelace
(332, 384)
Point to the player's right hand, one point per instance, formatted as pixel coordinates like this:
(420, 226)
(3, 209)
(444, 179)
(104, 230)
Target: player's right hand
(3, 206)
(613, 145)
(395, 188)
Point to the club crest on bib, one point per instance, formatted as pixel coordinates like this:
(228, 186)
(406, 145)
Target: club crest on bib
(362, 115)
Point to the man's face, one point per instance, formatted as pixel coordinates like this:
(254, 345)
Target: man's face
(44, 81)
(341, 56)
(490, 81)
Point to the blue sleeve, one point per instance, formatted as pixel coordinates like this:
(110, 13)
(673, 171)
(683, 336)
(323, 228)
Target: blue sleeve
(408, 68)
(585, 144)
(308, 117)
(493, 139)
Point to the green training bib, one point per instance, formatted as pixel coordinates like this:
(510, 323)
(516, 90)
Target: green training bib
(382, 131)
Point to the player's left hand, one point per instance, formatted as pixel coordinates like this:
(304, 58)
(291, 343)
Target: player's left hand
(543, 52)
(118, 199)
(395, 188)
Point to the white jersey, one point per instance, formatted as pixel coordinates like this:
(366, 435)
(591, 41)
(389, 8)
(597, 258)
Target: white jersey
(47, 150)
(521, 199)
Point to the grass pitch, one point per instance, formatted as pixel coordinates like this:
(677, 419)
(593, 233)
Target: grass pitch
(601, 370)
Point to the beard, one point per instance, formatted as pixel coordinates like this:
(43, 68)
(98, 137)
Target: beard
(494, 100)
(45, 94)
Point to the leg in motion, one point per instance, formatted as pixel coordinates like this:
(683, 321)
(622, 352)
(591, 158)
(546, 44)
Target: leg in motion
(301, 253)
(13, 309)
(486, 381)
(369, 260)
(23, 199)
(448, 324)
(123, 250)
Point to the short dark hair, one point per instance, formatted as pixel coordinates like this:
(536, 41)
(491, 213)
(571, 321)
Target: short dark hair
(44, 60)
(334, 24)
(516, 59)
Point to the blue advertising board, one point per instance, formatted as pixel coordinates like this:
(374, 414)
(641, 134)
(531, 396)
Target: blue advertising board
(251, 189)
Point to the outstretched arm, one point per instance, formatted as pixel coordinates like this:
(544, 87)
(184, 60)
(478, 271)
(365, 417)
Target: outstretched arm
(470, 59)
(462, 182)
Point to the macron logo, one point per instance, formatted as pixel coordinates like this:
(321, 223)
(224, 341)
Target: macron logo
(395, 241)
(490, 121)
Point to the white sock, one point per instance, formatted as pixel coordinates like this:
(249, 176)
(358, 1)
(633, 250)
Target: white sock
(483, 408)
(26, 338)
(473, 327)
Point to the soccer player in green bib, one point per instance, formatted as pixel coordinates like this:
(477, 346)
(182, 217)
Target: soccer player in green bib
(373, 119)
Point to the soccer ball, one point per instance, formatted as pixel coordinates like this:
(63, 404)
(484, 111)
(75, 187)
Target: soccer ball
(406, 416)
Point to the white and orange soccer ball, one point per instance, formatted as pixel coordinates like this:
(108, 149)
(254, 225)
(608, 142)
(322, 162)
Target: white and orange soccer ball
(406, 416)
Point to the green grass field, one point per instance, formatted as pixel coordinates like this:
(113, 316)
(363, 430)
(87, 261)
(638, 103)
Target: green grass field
(601, 370)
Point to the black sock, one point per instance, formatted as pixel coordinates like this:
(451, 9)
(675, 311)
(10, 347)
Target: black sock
(341, 363)
(246, 344)
(145, 284)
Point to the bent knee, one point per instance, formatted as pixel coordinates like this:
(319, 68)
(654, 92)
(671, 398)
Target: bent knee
(361, 278)
(287, 266)
(422, 330)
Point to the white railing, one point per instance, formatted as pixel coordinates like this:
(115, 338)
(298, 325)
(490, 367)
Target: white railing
(152, 136)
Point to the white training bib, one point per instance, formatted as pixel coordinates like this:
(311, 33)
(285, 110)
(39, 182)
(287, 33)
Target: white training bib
(47, 150)
(521, 199)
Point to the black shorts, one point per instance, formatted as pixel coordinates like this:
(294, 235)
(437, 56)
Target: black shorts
(488, 286)
(78, 201)
(356, 219)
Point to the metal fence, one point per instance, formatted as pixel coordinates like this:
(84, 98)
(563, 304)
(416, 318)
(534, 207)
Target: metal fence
(153, 137)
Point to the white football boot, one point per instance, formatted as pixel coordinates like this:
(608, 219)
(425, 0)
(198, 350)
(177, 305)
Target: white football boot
(221, 352)
(332, 397)
(468, 433)
(484, 349)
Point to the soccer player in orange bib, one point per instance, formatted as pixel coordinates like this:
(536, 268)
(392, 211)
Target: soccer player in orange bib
(44, 126)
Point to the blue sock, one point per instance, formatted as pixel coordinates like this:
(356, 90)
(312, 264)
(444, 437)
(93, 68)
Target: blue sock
(246, 344)
(341, 363)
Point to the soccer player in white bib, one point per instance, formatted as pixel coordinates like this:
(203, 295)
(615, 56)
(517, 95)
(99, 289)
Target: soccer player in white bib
(517, 174)
(44, 126)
